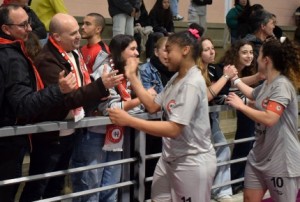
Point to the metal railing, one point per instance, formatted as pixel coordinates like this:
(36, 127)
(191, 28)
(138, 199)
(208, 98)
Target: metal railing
(138, 161)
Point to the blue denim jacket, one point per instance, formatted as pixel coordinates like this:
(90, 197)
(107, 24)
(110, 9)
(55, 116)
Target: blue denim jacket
(150, 77)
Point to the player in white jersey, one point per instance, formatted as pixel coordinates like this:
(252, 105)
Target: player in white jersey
(274, 162)
(186, 169)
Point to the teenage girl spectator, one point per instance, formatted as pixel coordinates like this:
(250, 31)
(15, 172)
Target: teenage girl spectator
(149, 73)
(94, 149)
(187, 166)
(142, 28)
(273, 163)
(161, 20)
(217, 88)
(174, 9)
(37, 26)
(233, 15)
(242, 57)
(123, 13)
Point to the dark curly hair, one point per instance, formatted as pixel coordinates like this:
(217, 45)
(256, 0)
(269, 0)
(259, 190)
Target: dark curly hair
(231, 56)
(285, 56)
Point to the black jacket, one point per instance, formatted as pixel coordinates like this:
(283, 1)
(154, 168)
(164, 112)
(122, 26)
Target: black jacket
(116, 7)
(161, 21)
(49, 63)
(20, 102)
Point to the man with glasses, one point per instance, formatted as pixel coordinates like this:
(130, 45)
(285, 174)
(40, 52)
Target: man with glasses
(52, 150)
(23, 97)
(38, 28)
(22, 93)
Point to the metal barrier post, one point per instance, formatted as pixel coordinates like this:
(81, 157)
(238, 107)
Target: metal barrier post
(140, 167)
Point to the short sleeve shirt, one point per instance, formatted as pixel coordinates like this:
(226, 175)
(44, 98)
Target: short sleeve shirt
(185, 102)
(276, 151)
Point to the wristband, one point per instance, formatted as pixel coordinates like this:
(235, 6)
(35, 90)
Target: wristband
(235, 82)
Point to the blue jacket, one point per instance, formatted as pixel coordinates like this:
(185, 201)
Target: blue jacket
(150, 77)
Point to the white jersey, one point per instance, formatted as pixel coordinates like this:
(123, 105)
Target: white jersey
(276, 151)
(185, 102)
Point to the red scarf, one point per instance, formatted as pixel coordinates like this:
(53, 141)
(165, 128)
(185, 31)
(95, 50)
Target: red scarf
(78, 113)
(84, 71)
(39, 82)
(122, 86)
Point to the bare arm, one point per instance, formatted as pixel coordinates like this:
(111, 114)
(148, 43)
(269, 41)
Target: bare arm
(155, 128)
(130, 104)
(145, 97)
(244, 88)
(266, 117)
(228, 73)
(253, 79)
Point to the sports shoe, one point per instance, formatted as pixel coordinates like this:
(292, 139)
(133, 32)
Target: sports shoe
(177, 18)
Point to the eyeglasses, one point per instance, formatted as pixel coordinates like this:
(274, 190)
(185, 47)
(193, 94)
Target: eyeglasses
(24, 25)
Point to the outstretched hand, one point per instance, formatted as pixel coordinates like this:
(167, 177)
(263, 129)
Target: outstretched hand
(66, 84)
(118, 116)
(234, 101)
(111, 79)
(132, 64)
(230, 70)
(152, 91)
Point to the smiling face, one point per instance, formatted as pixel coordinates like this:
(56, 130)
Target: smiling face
(130, 51)
(208, 53)
(67, 34)
(19, 26)
(245, 55)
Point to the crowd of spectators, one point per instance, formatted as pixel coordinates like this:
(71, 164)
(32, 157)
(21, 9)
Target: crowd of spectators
(48, 76)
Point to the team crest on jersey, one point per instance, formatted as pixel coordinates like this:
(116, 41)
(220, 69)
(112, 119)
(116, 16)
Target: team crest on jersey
(279, 108)
(170, 105)
(265, 102)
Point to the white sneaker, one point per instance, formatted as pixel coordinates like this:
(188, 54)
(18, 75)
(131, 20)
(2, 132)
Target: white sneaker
(177, 18)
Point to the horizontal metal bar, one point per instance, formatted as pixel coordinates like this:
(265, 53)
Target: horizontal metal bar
(90, 191)
(65, 172)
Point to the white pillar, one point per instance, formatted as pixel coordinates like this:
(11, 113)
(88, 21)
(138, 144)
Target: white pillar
(228, 6)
